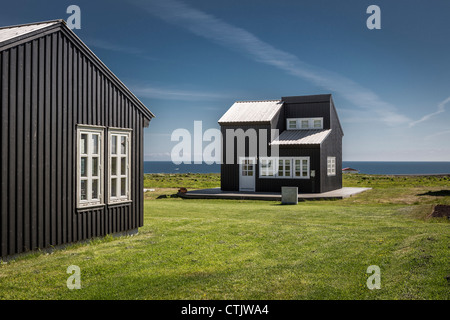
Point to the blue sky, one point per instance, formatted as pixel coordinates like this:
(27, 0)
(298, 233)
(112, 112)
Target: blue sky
(190, 60)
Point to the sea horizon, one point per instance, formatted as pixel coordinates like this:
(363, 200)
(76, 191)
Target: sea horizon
(367, 167)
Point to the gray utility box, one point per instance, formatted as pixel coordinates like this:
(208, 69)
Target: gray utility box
(289, 195)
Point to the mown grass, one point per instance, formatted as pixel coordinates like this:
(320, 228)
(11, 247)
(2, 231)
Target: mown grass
(178, 180)
(229, 249)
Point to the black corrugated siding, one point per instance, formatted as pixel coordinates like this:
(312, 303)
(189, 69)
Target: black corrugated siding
(48, 86)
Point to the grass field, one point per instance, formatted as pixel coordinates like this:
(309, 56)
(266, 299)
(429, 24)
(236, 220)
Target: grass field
(230, 249)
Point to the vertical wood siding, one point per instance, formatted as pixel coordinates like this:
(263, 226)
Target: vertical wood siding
(47, 87)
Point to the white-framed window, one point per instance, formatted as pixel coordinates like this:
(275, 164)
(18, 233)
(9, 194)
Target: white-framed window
(304, 123)
(119, 165)
(301, 168)
(267, 167)
(331, 166)
(89, 166)
(248, 167)
(317, 123)
(292, 124)
(284, 167)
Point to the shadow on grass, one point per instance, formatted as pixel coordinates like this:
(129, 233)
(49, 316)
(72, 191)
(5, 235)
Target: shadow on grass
(440, 193)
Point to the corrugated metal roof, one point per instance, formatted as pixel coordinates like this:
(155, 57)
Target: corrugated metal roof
(8, 33)
(296, 137)
(251, 111)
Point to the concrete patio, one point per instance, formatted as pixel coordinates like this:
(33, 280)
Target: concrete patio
(216, 193)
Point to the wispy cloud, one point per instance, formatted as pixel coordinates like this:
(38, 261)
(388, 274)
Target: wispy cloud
(441, 109)
(244, 42)
(176, 94)
(434, 135)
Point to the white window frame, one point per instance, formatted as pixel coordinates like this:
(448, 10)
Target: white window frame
(295, 121)
(331, 166)
(119, 175)
(267, 167)
(312, 120)
(299, 121)
(286, 163)
(264, 172)
(89, 178)
(301, 170)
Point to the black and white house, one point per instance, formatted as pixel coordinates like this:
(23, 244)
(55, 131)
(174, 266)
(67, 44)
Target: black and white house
(308, 145)
(71, 137)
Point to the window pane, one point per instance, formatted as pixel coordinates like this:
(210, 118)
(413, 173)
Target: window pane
(317, 123)
(114, 166)
(114, 145)
(83, 167)
(123, 188)
(83, 143)
(305, 124)
(114, 187)
(123, 166)
(292, 124)
(123, 144)
(297, 168)
(95, 167)
(83, 193)
(95, 189)
(95, 143)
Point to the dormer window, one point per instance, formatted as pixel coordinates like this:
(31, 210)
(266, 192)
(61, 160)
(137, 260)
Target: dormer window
(304, 123)
(317, 123)
(292, 124)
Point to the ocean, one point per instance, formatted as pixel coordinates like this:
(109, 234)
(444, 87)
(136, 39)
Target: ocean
(368, 167)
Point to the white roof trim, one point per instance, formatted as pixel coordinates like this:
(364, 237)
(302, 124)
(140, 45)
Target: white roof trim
(301, 137)
(8, 33)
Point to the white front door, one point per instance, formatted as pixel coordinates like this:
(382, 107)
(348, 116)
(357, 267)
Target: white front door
(247, 174)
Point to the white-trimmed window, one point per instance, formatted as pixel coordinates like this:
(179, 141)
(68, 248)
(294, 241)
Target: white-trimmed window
(89, 166)
(331, 166)
(292, 124)
(317, 123)
(248, 167)
(284, 167)
(304, 123)
(119, 165)
(301, 168)
(267, 167)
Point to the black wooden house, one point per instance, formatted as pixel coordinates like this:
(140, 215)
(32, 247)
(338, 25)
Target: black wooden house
(309, 142)
(71, 163)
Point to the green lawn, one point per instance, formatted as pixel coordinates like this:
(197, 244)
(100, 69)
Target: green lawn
(227, 249)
